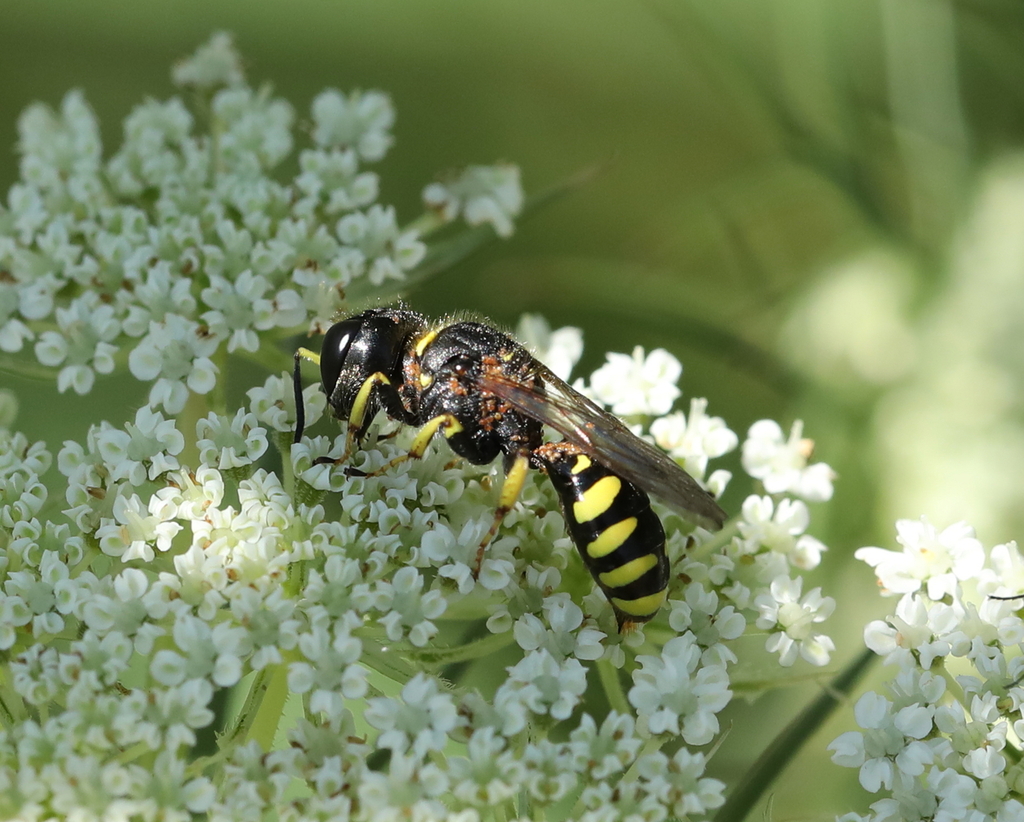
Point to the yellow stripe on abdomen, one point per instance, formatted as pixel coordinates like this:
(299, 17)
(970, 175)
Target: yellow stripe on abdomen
(582, 464)
(597, 499)
(629, 572)
(642, 606)
(611, 538)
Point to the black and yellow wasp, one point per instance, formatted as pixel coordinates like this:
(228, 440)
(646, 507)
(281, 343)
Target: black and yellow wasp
(488, 396)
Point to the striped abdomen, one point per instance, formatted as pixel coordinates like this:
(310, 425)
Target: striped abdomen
(619, 537)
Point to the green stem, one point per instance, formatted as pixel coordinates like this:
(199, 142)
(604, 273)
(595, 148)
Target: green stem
(133, 754)
(283, 442)
(239, 730)
(219, 394)
(388, 663)
(612, 685)
(713, 545)
(24, 367)
(199, 765)
(1013, 753)
(270, 711)
(12, 708)
(425, 224)
(650, 746)
(784, 747)
(265, 703)
(477, 649)
(194, 410)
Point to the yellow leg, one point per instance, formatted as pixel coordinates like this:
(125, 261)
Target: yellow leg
(442, 422)
(510, 490)
(357, 416)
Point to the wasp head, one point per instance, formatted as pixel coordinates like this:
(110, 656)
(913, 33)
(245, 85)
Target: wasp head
(361, 363)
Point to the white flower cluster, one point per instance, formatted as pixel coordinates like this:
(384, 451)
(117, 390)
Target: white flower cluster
(943, 743)
(380, 669)
(183, 246)
(221, 572)
(559, 350)
(481, 194)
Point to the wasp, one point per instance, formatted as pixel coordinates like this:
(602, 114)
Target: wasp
(488, 396)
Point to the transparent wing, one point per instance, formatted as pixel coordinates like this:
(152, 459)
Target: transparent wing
(602, 435)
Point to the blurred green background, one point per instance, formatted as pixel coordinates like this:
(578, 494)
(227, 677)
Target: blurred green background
(812, 204)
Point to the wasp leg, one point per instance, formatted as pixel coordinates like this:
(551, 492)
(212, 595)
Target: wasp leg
(442, 422)
(510, 490)
(300, 407)
(356, 419)
(388, 436)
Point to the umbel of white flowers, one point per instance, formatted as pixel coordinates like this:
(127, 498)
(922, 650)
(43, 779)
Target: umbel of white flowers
(943, 741)
(377, 676)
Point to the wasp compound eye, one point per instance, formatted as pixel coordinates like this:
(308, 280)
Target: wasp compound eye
(337, 342)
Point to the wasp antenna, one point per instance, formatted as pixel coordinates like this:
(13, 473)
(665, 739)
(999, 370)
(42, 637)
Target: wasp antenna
(300, 408)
